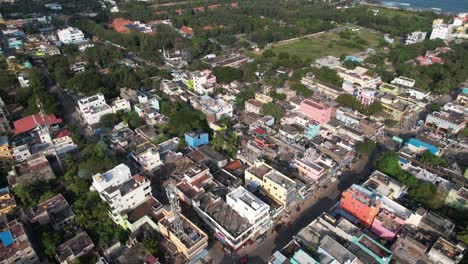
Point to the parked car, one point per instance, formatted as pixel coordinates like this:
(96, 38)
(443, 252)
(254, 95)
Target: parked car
(260, 239)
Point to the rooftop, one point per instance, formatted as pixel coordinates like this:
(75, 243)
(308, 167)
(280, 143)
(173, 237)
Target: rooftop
(336, 250)
(74, 247)
(30, 122)
(240, 193)
(150, 208)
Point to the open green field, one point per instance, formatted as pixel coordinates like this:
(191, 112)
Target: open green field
(332, 43)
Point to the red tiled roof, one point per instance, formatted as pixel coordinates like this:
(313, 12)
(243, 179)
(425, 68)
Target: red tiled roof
(260, 131)
(234, 165)
(186, 30)
(120, 25)
(63, 133)
(138, 178)
(208, 28)
(30, 122)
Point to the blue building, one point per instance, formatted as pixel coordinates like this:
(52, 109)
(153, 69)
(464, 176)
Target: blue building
(196, 139)
(312, 130)
(419, 146)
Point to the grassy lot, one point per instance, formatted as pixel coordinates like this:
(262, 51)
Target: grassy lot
(333, 44)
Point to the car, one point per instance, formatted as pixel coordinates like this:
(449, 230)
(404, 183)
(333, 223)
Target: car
(260, 239)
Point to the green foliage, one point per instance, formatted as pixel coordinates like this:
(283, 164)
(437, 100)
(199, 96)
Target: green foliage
(366, 147)
(95, 158)
(109, 120)
(225, 141)
(279, 96)
(227, 74)
(150, 245)
(32, 193)
(273, 110)
(435, 106)
(352, 102)
(183, 118)
(87, 83)
(429, 159)
(245, 94)
(390, 122)
(198, 66)
(301, 89)
(327, 75)
(349, 64)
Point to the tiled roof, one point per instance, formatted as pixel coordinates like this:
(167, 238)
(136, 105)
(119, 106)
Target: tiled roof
(30, 122)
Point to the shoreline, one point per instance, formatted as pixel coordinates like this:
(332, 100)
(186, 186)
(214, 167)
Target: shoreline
(409, 8)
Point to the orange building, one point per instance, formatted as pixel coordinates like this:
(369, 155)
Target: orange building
(361, 203)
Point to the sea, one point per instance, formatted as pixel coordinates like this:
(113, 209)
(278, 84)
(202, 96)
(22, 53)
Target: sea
(452, 6)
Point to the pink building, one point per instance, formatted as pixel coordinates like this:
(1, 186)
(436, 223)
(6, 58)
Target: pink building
(317, 111)
(387, 225)
(309, 169)
(365, 95)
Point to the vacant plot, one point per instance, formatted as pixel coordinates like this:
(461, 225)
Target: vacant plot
(333, 43)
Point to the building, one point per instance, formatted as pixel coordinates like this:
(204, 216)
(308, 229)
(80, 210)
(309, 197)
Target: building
(415, 37)
(120, 105)
(149, 159)
(121, 191)
(78, 246)
(389, 88)
(33, 122)
(443, 251)
(191, 242)
(7, 201)
(358, 75)
(309, 166)
(195, 139)
(203, 82)
(93, 108)
(35, 168)
(370, 251)
(4, 122)
(5, 152)
(16, 246)
(445, 122)
(276, 185)
(418, 146)
(317, 111)
(361, 203)
(385, 185)
(441, 31)
(457, 197)
(394, 107)
(214, 109)
(263, 98)
(71, 35)
(366, 96)
(21, 153)
(210, 157)
(63, 142)
(404, 81)
(387, 225)
(23, 79)
(253, 106)
(411, 246)
(55, 211)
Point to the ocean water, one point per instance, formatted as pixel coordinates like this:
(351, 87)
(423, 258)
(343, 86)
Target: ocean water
(455, 6)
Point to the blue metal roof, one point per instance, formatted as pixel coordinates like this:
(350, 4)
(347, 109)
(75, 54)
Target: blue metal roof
(7, 238)
(465, 90)
(419, 143)
(3, 140)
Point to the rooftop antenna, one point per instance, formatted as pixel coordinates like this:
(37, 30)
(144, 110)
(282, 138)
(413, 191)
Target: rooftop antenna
(47, 129)
(171, 192)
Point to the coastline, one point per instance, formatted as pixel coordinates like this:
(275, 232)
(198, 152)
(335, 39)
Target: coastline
(381, 4)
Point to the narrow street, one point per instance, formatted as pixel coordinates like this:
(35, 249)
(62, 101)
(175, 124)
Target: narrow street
(310, 209)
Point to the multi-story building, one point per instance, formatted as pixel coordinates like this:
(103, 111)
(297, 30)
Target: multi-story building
(358, 75)
(191, 242)
(456, 108)
(276, 185)
(441, 31)
(214, 109)
(446, 122)
(203, 82)
(149, 159)
(348, 116)
(361, 203)
(404, 81)
(93, 108)
(309, 166)
(21, 153)
(55, 211)
(458, 197)
(415, 37)
(16, 246)
(396, 108)
(71, 35)
(389, 88)
(385, 185)
(121, 190)
(462, 97)
(35, 168)
(5, 152)
(366, 96)
(7, 201)
(443, 251)
(35, 122)
(253, 106)
(387, 225)
(195, 139)
(78, 246)
(317, 111)
(263, 98)
(120, 105)
(5, 126)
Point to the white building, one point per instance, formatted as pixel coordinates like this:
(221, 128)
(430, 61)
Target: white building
(23, 80)
(404, 81)
(214, 107)
(358, 75)
(63, 142)
(121, 190)
(253, 106)
(252, 208)
(121, 105)
(441, 31)
(149, 159)
(70, 35)
(21, 153)
(93, 108)
(204, 82)
(415, 37)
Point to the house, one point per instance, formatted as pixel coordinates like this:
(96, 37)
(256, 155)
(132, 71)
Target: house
(78, 246)
(263, 98)
(15, 244)
(317, 111)
(389, 88)
(35, 168)
(32, 122)
(358, 75)
(394, 107)
(204, 82)
(63, 142)
(370, 251)
(385, 185)
(55, 211)
(441, 31)
(5, 151)
(443, 251)
(93, 108)
(195, 139)
(362, 203)
(21, 153)
(214, 109)
(457, 197)
(186, 32)
(120, 105)
(411, 246)
(276, 185)
(149, 159)
(418, 146)
(415, 37)
(71, 35)
(309, 166)
(404, 81)
(445, 122)
(253, 106)
(7, 201)
(207, 155)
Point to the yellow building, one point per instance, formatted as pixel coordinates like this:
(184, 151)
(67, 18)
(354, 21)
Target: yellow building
(276, 185)
(5, 152)
(394, 107)
(389, 88)
(192, 243)
(263, 98)
(7, 201)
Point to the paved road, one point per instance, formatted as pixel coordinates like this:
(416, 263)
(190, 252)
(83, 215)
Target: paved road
(327, 198)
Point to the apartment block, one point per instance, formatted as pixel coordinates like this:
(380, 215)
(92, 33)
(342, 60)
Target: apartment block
(361, 203)
(16, 247)
(55, 211)
(317, 111)
(78, 246)
(93, 108)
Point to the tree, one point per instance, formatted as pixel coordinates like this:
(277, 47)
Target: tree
(430, 159)
(150, 245)
(366, 147)
(273, 110)
(225, 141)
(435, 106)
(109, 120)
(301, 89)
(227, 74)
